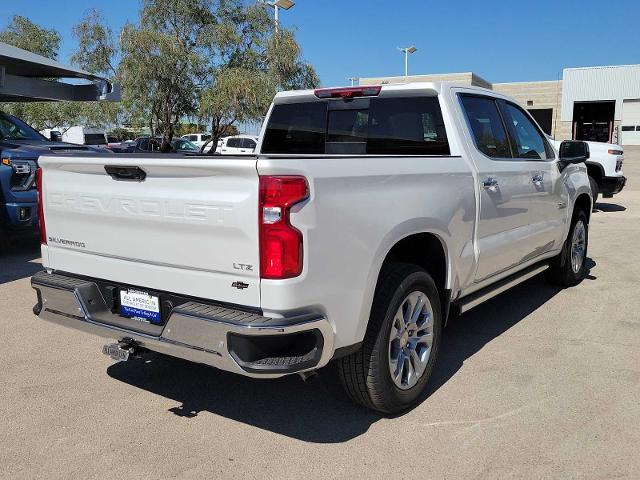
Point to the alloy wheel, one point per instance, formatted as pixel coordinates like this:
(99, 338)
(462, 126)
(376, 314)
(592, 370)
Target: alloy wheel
(578, 246)
(411, 340)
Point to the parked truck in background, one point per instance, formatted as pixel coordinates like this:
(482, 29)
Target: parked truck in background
(604, 168)
(79, 135)
(368, 217)
(20, 147)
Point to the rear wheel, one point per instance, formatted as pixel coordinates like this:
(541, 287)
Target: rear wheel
(390, 372)
(595, 189)
(570, 267)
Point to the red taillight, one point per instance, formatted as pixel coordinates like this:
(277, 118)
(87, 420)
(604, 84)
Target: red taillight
(348, 92)
(40, 186)
(280, 242)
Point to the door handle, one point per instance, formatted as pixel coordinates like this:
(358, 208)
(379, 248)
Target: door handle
(490, 183)
(127, 174)
(537, 180)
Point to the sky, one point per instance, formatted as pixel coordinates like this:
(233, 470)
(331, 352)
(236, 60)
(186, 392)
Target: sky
(502, 41)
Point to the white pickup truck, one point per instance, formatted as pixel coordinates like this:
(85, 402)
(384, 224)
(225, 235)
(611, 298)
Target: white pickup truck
(368, 216)
(604, 168)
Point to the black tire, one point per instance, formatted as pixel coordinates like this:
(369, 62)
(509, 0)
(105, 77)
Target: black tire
(5, 245)
(365, 374)
(595, 189)
(561, 271)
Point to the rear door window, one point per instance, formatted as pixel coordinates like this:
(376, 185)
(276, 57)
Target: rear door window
(485, 123)
(406, 126)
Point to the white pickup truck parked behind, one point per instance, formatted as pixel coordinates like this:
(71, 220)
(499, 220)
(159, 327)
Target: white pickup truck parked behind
(604, 168)
(368, 216)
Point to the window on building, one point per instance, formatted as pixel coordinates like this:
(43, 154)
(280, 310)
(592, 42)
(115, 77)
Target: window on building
(544, 117)
(628, 128)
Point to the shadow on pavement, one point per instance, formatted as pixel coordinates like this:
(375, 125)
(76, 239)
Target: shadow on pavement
(608, 207)
(17, 263)
(318, 411)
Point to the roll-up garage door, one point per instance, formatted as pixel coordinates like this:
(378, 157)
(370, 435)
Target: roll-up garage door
(630, 129)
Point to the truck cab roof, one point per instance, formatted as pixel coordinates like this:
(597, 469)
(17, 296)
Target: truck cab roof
(433, 88)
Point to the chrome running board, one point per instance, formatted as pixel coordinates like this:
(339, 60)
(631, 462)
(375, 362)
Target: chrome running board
(467, 303)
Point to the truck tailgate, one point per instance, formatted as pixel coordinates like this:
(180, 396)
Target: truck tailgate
(190, 227)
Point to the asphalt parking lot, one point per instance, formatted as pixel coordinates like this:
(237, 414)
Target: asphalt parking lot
(537, 383)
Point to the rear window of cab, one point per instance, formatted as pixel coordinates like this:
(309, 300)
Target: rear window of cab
(374, 126)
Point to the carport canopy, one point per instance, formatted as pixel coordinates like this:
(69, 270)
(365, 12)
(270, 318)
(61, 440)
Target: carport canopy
(27, 77)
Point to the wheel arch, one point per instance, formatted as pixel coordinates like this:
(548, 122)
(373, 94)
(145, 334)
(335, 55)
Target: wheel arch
(428, 251)
(426, 248)
(596, 171)
(583, 202)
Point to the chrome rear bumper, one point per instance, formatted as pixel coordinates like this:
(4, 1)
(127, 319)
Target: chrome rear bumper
(232, 340)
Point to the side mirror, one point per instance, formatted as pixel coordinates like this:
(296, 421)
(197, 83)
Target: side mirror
(573, 151)
(55, 136)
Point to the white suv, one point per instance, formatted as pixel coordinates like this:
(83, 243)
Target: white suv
(198, 139)
(237, 145)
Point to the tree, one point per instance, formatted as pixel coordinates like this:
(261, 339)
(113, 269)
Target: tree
(236, 95)
(97, 47)
(96, 52)
(214, 61)
(163, 57)
(23, 33)
(257, 62)
(217, 60)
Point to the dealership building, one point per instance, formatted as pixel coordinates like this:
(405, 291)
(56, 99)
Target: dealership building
(592, 103)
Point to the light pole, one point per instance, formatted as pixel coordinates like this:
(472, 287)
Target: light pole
(407, 51)
(277, 5)
(353, 80)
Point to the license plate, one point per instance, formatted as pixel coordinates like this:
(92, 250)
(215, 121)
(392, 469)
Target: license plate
(116, 352)
(140, 306)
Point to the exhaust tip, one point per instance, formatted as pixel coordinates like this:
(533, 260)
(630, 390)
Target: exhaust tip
(308, 376)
